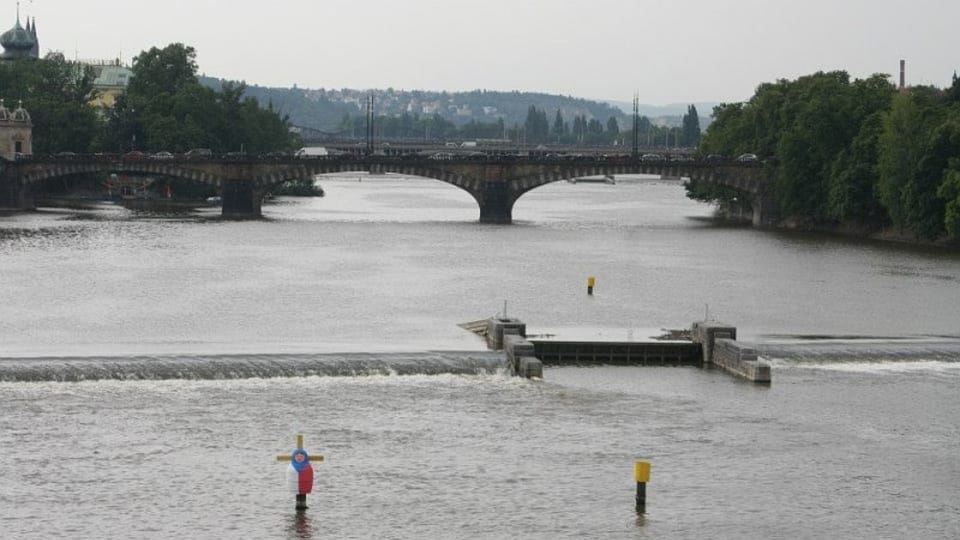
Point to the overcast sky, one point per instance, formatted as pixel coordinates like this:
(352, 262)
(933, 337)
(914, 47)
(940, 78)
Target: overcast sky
(670, 51)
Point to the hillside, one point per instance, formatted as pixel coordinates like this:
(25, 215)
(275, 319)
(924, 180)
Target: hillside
(324, 109)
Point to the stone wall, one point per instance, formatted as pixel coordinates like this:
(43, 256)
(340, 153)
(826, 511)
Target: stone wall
(721, 348)
(520, 355)
(740, 360)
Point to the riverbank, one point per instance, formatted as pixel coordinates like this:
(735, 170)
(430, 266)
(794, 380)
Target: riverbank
(868, 232)
(873, 233)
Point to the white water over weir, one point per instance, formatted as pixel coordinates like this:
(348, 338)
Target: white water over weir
(199, 367)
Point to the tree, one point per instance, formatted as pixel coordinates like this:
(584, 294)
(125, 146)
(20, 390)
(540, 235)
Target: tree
(56, 93)
(164, 72)
(557, 130)
(953, 93)
(166, 108)
(690, 131)
(537, 127)
(949, 191)
(902, 142)
(852, 196)
(613, 128)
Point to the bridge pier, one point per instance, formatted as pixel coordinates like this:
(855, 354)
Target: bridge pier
(496, 203)
(240, 199)
(15, 195)
(766, 211)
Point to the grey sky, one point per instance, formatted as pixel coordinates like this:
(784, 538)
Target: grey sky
(669, 51)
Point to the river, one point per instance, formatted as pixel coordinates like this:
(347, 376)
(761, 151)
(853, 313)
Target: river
(857, 437)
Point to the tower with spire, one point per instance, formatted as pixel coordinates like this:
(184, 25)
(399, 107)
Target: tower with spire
(20, 42)
(32, 28)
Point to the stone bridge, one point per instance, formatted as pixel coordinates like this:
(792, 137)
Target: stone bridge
(495, 182)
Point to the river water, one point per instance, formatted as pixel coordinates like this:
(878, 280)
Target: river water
(207, 346)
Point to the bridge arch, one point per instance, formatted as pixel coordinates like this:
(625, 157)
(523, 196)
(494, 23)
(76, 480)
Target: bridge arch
(35, 174)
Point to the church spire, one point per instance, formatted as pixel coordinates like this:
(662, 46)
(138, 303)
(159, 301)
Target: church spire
(35, 51)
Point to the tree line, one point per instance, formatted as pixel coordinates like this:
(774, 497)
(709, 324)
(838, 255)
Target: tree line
(851, 152)
(164, 108)
(536, 129)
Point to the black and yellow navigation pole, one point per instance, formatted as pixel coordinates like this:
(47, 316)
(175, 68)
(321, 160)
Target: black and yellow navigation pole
(641, 473)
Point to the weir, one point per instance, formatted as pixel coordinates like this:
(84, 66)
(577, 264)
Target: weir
(712, 345)
(193, 367)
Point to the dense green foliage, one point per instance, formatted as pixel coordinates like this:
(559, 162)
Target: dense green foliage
(164, 108)
(55, 92)
(854, 152)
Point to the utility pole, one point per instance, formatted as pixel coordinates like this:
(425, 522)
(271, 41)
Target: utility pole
(636, 125)
(370, 127)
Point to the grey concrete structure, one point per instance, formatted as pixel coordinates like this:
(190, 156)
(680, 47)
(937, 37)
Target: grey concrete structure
(721, 348)
(498, 327)
(520, 355)
(712, 344)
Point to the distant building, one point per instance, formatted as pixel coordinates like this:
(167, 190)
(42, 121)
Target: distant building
(16, 132)
(112, 80)
(20, 42)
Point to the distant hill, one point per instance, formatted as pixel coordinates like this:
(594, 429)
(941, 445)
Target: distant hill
(323, 109)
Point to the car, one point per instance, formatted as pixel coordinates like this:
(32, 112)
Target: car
(714, 157)
(66, 155)
(198, 153)
(134, 154)
(747, 158)
(162, 155)
(651, 157)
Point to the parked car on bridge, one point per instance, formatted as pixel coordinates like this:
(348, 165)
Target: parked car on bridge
(747, 158)
(651, 157)
(308, 152)
(162, 155)
(198, 153)
(135, 154)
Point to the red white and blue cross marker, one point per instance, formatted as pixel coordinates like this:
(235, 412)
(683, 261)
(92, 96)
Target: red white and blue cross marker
(300, 473)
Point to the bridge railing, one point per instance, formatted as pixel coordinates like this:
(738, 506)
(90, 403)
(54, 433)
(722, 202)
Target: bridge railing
(597, 159)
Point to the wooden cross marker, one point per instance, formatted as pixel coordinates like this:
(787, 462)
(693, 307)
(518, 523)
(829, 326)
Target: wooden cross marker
(300, 472)
(318, 459)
